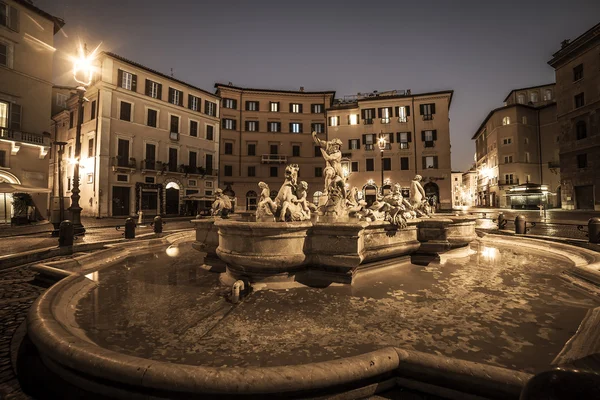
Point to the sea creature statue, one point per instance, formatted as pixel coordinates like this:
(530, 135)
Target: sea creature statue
(287, 202)
(266, 207)
(418, 200)
(221, 207)
(392, 207)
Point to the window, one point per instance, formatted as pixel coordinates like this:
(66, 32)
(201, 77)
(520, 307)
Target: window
(368, 141)
(208, 165)
(230, 103)
(368, 114)
(403, 113)
(578, 72)
(193, 160)
(404, 163)
(93, 110)
(353, 119)
(334, 121)
(91, 148)
(507, 140)
(274, 149)
(194, 128)
(152, 118)
(153, 89)
(193, 183)
(295, 127)
(251, 126)
(317, 108)
(210, 108)
(252, 171)
(274, 126)
(527, 178)
(318, 172)
(274, 106)
(295, 150)
(122, 152)
(228, 148)
(427, 111)
(533, 97)
(318, 127)
(2, 158)
(387, 164)
(318, 151)
(71, 119)
(524, 120)
(353, 144)
(506, 121)
(370, 164)
(403, 138)
(521, 98)
(429, 137)
(193, 103)
(508, 159)
(149, 179)
(229, 123)
(175, 97)
(252, 106)
(581, 130)
(228, 170)
(210, 132)
(526, 140)
(527, 157)
(173, 159)
(354, 166)
(385, 113)
(174, 123)
(581, 160)
(430, 162)
(295, 108)
(125, 114)
(509, 179)
(251, 149)
(273, 172)
(61, 99)
(579, 100)
(127, 80)
(9, 17)
(150, 156)
(548, 95)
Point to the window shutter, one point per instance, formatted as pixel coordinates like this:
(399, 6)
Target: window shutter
(348, 119)
(133, 83)
(291, 127)
(390, 112)
(362, 114)
(433, 108)
(278, 106)
(364, 139)
(435, 162)
(180, 98)
(422, 109)
(234, 124)
(379, 112)
(235, 104)
(223, 123)
(349, 144)
(407, 111)
(408, 136)
(391, 137)
(120, 78)
(422, 136)
(246, 124)
(424, 159)
(291, 107)
(14, 19)
(147, 90)
(159, 91)
(300, 108)
(358, 118)
(398, 137)
(397, 111)
(15, 117)
(338, 120)
(435, 135)
(301, 128)
(247, 106)
(279, 127)
(171, 91)
(190, 101)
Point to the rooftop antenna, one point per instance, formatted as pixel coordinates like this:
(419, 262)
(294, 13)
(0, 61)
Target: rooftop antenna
(171, 72)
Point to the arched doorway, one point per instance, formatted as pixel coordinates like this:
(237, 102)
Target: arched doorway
(6, 198)
(432, 193)
(251, 199)
(370, 194)
(386, 189)
(172, 198)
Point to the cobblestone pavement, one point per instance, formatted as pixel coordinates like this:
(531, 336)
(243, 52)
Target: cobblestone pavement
(17, 293)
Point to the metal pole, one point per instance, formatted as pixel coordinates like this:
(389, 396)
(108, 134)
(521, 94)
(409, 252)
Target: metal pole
(382, 172)
(61, 196)
(75, 208)
(5, 211)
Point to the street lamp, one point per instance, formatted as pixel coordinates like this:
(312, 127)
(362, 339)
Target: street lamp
(83, 74)
(382, 143)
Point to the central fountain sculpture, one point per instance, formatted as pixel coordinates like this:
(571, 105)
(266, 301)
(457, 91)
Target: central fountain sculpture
(336, 239)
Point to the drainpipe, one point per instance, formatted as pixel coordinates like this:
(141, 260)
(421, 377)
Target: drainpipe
(539, 135)
(240, 127)
(414, 132)
(96, 155)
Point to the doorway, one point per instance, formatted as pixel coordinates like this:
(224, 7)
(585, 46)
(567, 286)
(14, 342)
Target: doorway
(120, 201)
(584, 197)
(172, 199)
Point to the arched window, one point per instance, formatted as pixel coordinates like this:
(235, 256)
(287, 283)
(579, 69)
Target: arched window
(581, 130)
(316, 197)
(533, 97)
(521, 98)
(505, 120)
(548, 95)
(251, 199)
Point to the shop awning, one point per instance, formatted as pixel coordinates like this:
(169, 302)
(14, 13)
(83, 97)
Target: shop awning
(527, 189)
(6, 187)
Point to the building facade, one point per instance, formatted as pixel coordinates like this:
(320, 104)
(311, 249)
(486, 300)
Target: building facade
(149, 142)
(26, 54)
(469, 188)
(456, 178)
(416, 131)
(577, 68)
(262, 131)
(517, 152)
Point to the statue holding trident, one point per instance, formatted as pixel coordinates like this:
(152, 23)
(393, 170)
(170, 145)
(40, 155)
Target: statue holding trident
(335, 182)
(331, 151)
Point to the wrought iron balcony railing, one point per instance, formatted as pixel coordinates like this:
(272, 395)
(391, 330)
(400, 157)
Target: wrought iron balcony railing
(273, 159)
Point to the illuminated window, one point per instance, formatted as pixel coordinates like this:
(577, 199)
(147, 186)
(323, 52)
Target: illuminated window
(507, 141)
(316, 108)
(353, 144)
(548, 95)
(229, 123)
(430, 162)
(527, 157)
(251, 126)
(3, 115)
(524, 119)
(229, 103)
(274, 106)
(295, 108)
(127, 80)
(334, 121)
(194, 103)
(533, 97)
(318, 127)
(296, 127)
(274, 126)
(61, 99)
(252, 106)
(521, 98)
(402, 114)
(353, 119)
(506, 121)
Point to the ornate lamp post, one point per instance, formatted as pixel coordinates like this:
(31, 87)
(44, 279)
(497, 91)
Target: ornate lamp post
(382, 143)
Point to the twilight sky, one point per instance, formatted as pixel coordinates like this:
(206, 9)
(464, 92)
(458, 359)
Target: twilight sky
(479, 48)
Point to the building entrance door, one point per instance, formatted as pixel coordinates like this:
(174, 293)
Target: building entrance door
(172, 206)
(120, 201)
(584, 197)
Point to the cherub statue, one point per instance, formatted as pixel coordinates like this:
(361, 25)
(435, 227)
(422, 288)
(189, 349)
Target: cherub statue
(266, 207)
(418, 199)
(301, 196)
(222, 205)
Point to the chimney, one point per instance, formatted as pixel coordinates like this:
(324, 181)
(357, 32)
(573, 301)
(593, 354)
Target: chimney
(564, 43)
(302, 88)
(230, 84)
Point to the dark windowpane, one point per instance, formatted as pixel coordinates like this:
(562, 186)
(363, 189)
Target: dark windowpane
(228, 170)
(125, 111)
(152, 118)
(251, 149)
(174, 124)
(387, 164)
(296, 151)
(274, 171)
(228, 148)
(370, 164)
(209, 132)
(193, 128)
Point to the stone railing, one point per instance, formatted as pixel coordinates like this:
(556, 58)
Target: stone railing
(25, 137)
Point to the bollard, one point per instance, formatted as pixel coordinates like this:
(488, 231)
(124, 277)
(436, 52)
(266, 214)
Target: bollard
(501, 221)
(65, 233)
(520, 225)
(594, 230)
(158, 224)
(130, 228)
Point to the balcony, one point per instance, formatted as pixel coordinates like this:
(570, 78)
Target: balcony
(369, 147)
(429, 143)
(148, 165)
(508, 182)
(403, 119)
(25, 137)
(368, 121)
(385, 120)
(404, 145)
(428, 117)
(273, 159)
(553, 164)
(174, 135)
(123, 164)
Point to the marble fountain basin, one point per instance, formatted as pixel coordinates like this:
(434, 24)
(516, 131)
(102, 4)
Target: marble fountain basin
(334, 249)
